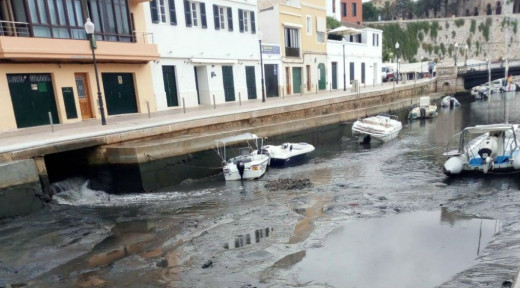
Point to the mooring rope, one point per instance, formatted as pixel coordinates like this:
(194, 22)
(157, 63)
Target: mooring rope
(170, 163)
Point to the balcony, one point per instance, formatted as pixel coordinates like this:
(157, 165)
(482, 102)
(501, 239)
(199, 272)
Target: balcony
(292, 52)
(16, 44)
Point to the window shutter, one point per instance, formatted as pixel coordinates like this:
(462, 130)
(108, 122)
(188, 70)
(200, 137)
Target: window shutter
(154, 11)
(216, 17)
(187, 13)
(203, 15)
(173, 15)
(230, 19)
(240, 21)
(253, 28)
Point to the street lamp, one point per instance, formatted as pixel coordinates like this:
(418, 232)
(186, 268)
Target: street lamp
(397, 60)
(456, 52)
(89, 28)
(344, 71)
(260, 35)
(466, 54)
(421, 66)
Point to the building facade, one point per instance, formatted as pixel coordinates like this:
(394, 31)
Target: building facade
(348, 11)
(209, 52)
(356, 59)
(46, 62)
(298, 28)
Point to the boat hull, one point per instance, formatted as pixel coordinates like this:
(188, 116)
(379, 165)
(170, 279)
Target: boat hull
(287, 153)
(379, 128)
(252, 170)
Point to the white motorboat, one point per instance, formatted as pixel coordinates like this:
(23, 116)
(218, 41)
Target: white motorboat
(449, 101)
(381, 127)
(248, 163)
(425, 109)
(484, 148)
(287, 152)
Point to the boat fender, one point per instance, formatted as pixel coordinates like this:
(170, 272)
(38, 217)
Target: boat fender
(423, 112)
(241, 167)
(290, 148)
(366, 140)
(453, 166)
(516, 161)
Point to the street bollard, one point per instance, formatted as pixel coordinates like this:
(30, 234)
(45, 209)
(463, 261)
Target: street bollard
(50, 121)
(183, 105)
(148, 109)
(316, 89)
(301, 89)
(239, 99)
(214, 104)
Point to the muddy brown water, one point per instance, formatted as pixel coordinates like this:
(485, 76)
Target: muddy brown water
(267, 238)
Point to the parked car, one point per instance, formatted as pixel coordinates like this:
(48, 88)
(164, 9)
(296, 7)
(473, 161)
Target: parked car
(387, 74)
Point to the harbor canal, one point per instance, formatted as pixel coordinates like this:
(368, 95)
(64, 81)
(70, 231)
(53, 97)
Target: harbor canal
(244, 233)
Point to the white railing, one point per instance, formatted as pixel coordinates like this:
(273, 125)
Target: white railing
(14, 29)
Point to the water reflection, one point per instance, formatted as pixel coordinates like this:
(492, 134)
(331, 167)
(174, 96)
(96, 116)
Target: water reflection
(248, 238)
(409, 250)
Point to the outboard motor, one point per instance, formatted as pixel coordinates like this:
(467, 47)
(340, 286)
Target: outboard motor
(452, 102)
(423, 112)
(241, 167)
(366, 140)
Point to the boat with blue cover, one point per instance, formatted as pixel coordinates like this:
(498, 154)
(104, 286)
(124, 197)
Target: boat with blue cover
(484, 149)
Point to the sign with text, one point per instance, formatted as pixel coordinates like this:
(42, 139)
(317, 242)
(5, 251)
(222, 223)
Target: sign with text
(271, 49)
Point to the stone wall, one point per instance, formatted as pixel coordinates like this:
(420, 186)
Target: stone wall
(484, 37)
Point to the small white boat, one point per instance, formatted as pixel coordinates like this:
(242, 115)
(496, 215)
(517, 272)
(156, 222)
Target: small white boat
(484, 148)
(425, 109)
(381, 127)
(248, 163)
(287, 152)
(449, 101)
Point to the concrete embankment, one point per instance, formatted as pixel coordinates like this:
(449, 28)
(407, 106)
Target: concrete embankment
(20, 188)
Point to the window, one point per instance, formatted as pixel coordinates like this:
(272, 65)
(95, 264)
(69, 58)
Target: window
(309, 25)
(354, 10)
(195, 14)
(375, 40)
(221, 17)
(64, 18)
(292, 42)
(246, 21)
(343, 9)
(320, 37)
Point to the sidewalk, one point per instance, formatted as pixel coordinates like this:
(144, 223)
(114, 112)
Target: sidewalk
(33, 137)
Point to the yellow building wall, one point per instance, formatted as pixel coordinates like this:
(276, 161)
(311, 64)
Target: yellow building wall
(63, 76)
(315, 9)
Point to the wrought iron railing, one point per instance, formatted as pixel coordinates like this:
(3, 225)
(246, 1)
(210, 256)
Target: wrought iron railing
(292, 52)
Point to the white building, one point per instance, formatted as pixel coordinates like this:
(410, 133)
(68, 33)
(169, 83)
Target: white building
(363, 59)
(209, 51)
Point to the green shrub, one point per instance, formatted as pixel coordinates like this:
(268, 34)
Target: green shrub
(459, 22)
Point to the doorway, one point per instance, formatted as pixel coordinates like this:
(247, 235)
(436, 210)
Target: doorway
(32, 96)
(229, 84)
(120, 93)
(308, 77)
(334, 69)
(288, 80)
(170, 86)
(322, 83)
(297, 80)
(271, 80)
(251, 82)
(85, 103)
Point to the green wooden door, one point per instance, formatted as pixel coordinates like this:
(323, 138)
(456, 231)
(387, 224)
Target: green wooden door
(229, 84)
(119, 93)
(322, 82)
(170, 86)
(32, 96)
(297, 79)
(251, 82)
(334, 75)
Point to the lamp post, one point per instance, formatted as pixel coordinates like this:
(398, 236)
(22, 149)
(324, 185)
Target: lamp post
(89, 28)
(466, 54)
(421, 66)
(456, 52)
(260, 35)
(397, 61)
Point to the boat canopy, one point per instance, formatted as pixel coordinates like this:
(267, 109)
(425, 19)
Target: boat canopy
(424, 101)
(237, 138)
(480, 129)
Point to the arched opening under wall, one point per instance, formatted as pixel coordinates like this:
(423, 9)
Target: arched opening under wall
(489, 11)
(475, 11)
(446, 87)
(498, 9)
(467, 12)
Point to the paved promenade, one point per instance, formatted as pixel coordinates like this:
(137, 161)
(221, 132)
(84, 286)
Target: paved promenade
(27, 138)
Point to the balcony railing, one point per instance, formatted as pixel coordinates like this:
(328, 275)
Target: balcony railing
(15, 29)
(22, 29)
(292, 52)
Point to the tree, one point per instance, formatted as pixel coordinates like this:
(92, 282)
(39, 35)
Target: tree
(370, 12)
(387, 10)
(332, 23)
